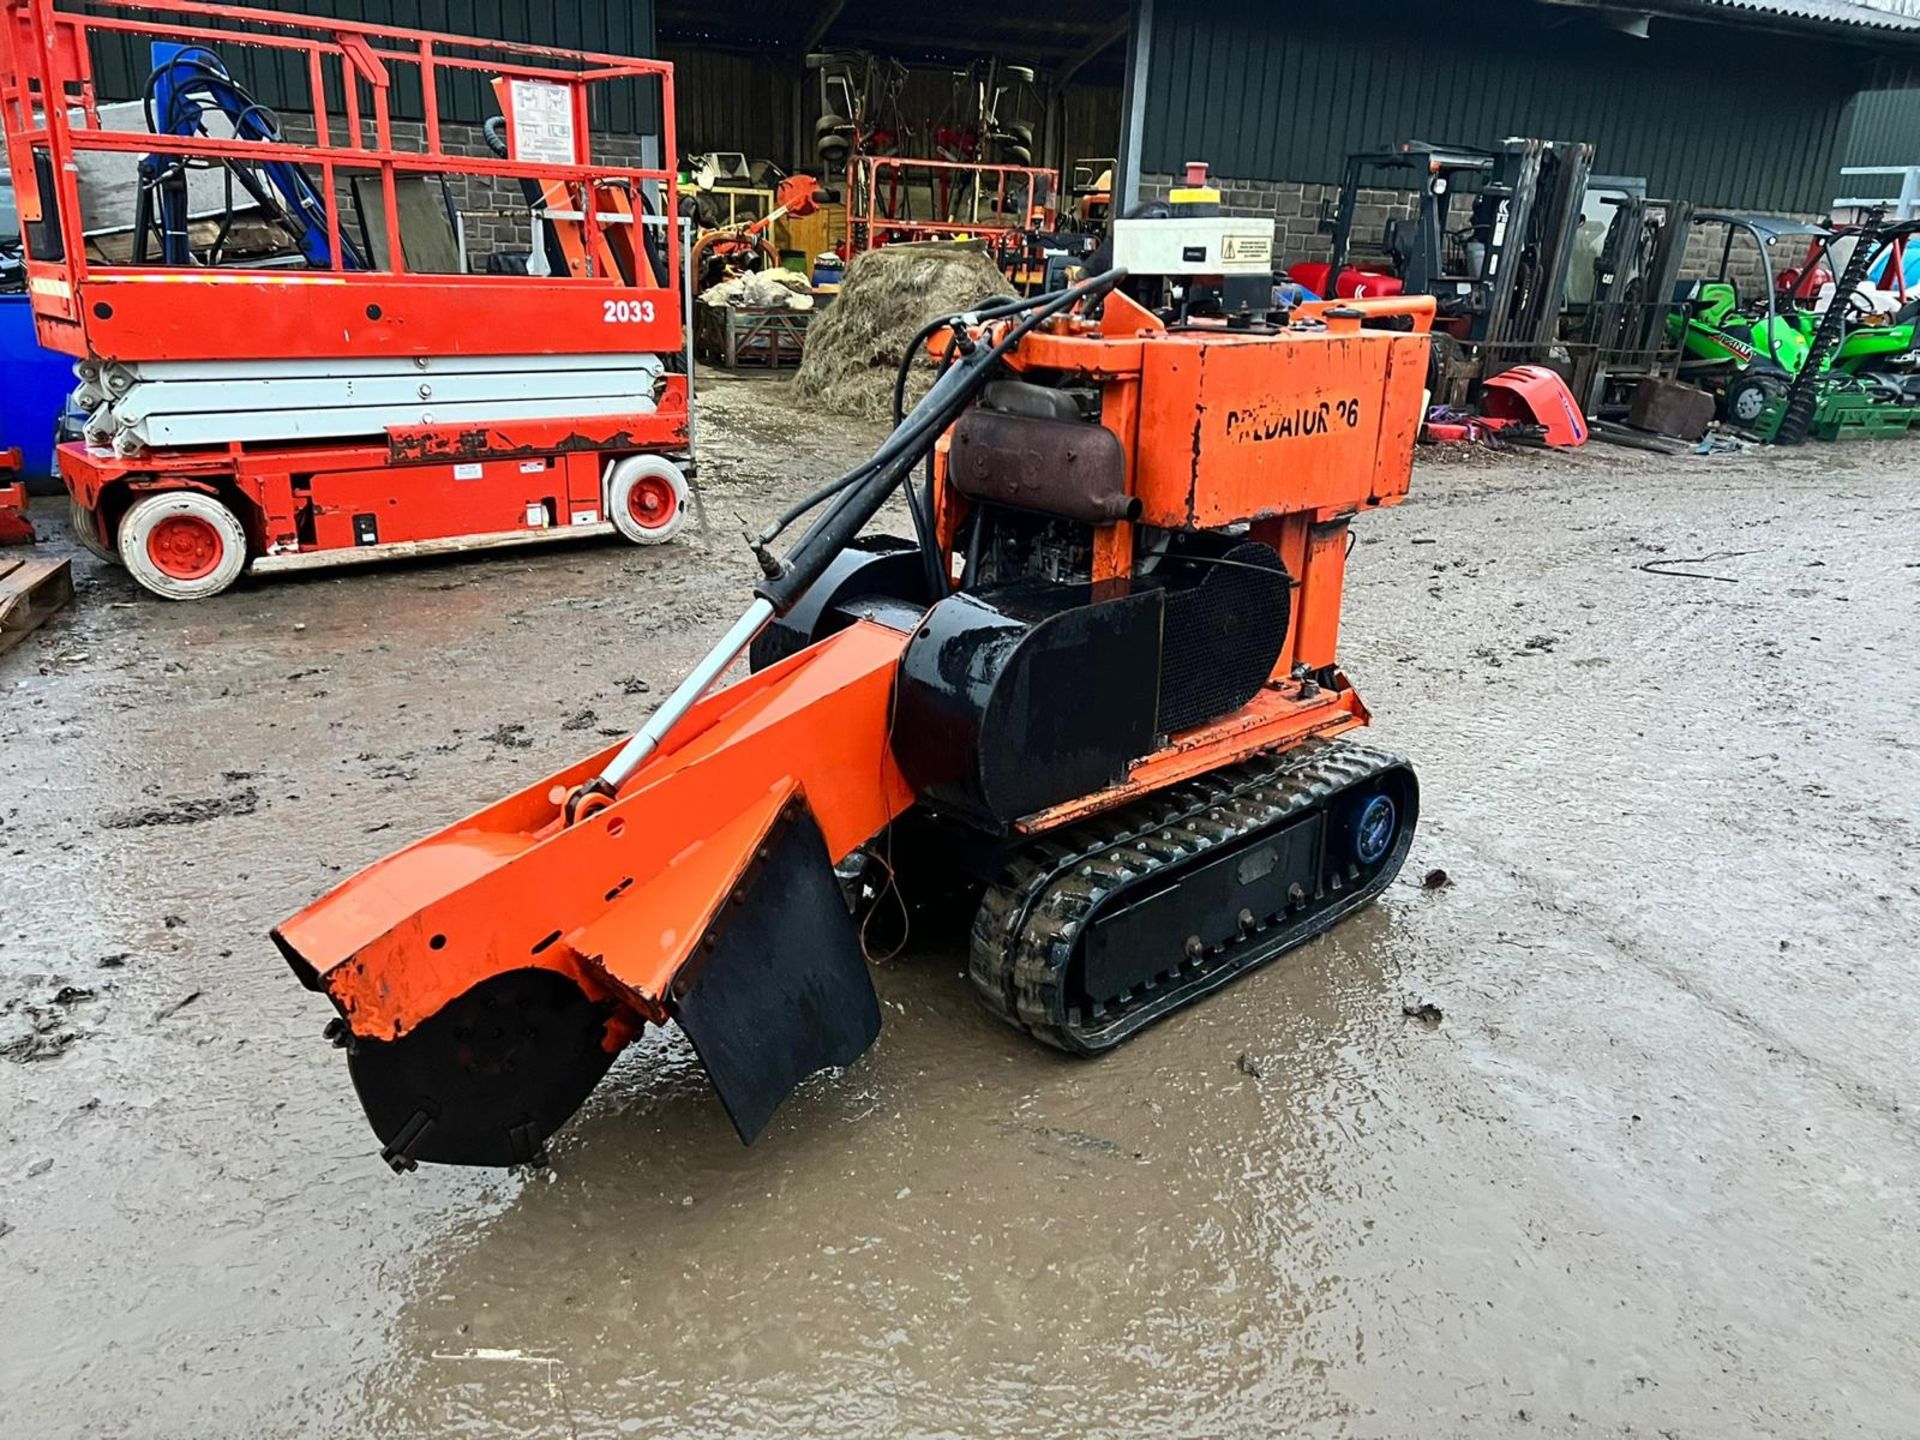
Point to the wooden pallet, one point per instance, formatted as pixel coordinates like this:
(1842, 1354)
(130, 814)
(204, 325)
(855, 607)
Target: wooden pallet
(742, 336)
(31, 592)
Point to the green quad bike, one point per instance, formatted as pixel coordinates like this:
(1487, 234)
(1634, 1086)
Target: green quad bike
(1748, 353)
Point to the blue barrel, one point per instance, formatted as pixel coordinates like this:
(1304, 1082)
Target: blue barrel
(36, 385)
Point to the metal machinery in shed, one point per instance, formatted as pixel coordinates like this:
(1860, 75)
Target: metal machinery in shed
(346, 388)
(1489, 235)
(1619, 337)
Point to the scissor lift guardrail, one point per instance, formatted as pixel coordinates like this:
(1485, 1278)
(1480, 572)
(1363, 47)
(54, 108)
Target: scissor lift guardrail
(351, 72)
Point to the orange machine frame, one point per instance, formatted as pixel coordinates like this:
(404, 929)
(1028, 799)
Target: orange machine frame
(621, 899)
(1351, 413)
(997, 219)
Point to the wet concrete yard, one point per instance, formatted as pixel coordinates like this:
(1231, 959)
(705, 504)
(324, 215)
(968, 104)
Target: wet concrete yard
(1652, 1172)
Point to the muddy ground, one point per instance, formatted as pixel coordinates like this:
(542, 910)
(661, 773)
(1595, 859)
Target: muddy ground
(1652, 1173)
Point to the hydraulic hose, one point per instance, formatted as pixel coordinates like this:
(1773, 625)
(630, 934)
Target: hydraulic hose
(198, 82)
(951, 393)
(857, 499)
(920, 503)
(901, 436)
(986, 310)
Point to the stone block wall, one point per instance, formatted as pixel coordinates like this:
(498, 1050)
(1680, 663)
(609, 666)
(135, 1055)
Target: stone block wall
(492, 208)
(1702, 260)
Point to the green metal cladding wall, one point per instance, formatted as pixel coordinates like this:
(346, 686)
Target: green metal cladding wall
(1273, 92)
(619, 27)
(725, 100)
(1886, 129)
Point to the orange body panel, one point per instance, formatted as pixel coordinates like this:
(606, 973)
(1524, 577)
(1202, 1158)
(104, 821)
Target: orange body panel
(1316, 611)
(1291, 432)
(1241, 426)
(1113, 544)
(1279, 717)
(433, 501)
(512, 887)
(1241, 430)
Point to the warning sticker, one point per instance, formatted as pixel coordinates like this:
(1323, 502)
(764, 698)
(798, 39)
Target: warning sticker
(542, 123)
(1246, 248)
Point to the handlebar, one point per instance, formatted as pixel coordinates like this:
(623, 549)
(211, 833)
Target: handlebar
(1418, 308)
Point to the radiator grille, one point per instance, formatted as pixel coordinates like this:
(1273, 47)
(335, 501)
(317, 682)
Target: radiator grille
(1226, 621)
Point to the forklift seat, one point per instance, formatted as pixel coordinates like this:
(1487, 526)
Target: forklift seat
(1402, 233)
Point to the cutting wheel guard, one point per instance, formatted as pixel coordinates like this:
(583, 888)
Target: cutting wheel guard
(475, 1025)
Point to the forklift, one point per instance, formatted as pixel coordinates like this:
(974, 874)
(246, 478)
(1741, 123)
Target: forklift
(1495, 259)
(1619, 337)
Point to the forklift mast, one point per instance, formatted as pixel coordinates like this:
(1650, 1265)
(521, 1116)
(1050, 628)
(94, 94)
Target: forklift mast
(1498, 271)
(1622, 337)
(1421, 256)
(1527, 258)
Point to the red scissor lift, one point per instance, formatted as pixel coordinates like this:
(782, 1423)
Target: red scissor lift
(253, 415)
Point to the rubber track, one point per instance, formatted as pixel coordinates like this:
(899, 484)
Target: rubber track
(1028, 925)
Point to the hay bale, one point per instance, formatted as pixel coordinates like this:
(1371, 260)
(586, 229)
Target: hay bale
(854, 344)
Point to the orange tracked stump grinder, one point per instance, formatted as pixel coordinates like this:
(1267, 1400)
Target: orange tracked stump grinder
(1100, 685)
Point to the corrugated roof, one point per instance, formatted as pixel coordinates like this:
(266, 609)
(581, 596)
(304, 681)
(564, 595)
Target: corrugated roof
(1874, 14)
(1870, 23)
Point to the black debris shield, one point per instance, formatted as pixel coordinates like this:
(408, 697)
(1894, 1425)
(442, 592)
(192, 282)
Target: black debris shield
(780, 987)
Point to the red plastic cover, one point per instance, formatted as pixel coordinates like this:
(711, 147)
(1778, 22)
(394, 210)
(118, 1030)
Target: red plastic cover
(1533, 392)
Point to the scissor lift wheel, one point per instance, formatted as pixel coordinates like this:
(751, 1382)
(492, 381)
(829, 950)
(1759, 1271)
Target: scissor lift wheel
(183, 545)
(646, 498)
(81, 521)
